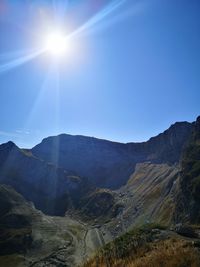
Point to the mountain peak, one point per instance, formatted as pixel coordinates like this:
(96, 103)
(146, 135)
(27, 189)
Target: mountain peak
(198, 120)
(178, 126)
(8, 146)
(109, 164)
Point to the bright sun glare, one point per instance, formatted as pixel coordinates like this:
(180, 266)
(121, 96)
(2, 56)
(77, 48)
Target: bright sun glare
(56, 43)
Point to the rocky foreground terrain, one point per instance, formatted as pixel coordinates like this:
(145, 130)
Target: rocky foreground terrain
(72, 198)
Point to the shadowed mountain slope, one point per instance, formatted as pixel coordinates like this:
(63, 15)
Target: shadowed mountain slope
(188, 199)
(52, 189)
(16, 217)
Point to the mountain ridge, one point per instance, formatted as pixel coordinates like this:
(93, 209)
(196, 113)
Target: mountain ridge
(115, 141)
(63, 215)
(109, 164)
(72, 167)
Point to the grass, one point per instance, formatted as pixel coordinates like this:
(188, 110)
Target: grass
(13, 260)
(77, 231)
(139, 248)
(168, 253)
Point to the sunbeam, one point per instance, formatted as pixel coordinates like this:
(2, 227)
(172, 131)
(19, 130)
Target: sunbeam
(98, 17)
(40, 97)
(20, 61)
(56, 44)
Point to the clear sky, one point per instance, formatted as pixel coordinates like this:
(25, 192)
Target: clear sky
(132, 69)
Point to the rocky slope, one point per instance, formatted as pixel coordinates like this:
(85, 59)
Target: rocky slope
(109, 164)
(188, 199)
(29, 238)
(16, 217)
(52, 189)
(148, 197)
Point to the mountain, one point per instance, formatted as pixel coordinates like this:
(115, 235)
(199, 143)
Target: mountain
(148, 246)
(109, 164)
(71, 195)
(188, 199)
(66, 173)
(30, 238)
(148, 197)
(15, 221)
(52, 190)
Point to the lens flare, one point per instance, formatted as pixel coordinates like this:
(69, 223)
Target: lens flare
(56, 43)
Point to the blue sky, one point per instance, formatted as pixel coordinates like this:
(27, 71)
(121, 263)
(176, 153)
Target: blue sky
(130, 75)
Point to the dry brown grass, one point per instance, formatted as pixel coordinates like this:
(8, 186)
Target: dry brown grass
(168, 253)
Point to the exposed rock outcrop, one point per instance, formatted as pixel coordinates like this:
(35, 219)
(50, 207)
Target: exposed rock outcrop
(148, 197)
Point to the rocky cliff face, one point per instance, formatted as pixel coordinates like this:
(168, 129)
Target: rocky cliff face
(109, 164)
(188, 199)
(168, 146)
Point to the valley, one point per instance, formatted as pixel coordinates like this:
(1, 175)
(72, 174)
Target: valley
(68, 210)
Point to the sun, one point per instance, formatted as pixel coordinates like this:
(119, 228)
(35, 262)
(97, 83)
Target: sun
(56, 43)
